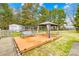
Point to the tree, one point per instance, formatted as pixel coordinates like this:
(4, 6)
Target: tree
(58, 17)
(44, 15)
(29, 14)
(76, 19)
(6, 16)
(61, 18)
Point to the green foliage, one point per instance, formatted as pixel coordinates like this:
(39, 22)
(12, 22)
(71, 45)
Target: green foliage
(28, 22)
(2, 11)
(29, 12)
(5, 17)
(76, 25)
(31, 15)
(76, 19)
(58, 17)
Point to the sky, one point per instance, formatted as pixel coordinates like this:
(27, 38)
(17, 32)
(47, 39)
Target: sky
(69, 8)
(15, 5)
(49, 6)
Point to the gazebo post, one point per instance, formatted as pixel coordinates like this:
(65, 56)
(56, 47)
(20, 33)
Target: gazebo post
(48, 29)
(57, 30)
(48, 25)
(37, 29)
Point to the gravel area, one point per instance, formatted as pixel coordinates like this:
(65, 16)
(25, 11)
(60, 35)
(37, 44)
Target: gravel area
(7, 47)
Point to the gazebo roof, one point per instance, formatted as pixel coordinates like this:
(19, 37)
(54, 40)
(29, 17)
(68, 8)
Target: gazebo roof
(47, 23)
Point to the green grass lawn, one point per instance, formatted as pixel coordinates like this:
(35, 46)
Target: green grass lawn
(60, 47)
(14, 34)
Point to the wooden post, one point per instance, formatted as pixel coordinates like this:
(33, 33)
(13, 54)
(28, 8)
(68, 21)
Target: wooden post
(48, 29)
(37, 29)
(57, 30)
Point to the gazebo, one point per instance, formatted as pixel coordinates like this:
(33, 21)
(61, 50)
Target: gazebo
(48, 25)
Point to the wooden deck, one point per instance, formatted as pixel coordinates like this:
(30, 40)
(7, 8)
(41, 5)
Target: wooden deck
(28, 43)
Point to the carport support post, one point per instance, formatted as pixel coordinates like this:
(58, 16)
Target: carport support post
(48, 29)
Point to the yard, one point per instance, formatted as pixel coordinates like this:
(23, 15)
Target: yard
(40, 18)
(60, 47)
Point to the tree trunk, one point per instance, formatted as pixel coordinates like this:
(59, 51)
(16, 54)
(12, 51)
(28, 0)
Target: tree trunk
(77, 29)
(59, 27)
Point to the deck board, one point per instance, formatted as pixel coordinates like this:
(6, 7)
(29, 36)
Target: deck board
(28, 43)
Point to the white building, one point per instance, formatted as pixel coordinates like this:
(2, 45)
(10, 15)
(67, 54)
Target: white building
(16, 27)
